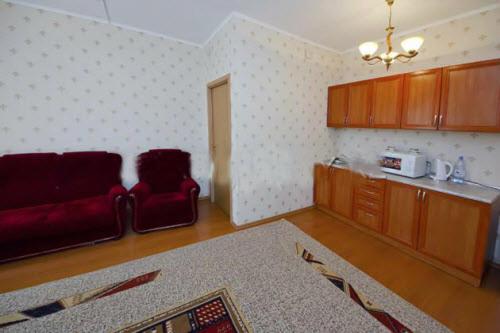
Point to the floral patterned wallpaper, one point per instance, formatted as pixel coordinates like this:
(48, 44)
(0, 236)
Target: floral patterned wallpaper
(279, 87)
(469, 39)
(71, 84)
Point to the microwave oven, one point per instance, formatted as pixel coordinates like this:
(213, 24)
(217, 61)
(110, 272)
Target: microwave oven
(411, 164)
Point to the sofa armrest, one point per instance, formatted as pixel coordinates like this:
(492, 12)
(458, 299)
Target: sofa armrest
(116, 191)
(188, 185)
(141, 191)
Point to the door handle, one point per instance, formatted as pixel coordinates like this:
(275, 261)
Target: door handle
(418, 194)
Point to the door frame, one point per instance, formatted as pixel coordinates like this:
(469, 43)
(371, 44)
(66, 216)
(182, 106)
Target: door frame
(226, 79)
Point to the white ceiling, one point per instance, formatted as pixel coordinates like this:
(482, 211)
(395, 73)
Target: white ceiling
(335, 24)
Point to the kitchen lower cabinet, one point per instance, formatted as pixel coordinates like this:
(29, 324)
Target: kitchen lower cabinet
(402, 212)
(454, 230)
(446, 231)
(342, 192)
(322, 185)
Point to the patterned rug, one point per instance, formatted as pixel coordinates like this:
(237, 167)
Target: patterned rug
(278, 286)
(212, 313)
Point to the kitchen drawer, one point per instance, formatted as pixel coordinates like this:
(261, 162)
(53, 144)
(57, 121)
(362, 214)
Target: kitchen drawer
(370, 192)
(368, 218)
(362, 181)
(373, 204)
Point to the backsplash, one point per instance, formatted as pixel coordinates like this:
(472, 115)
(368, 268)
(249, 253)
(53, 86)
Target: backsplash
(469, 39)
(480, 150)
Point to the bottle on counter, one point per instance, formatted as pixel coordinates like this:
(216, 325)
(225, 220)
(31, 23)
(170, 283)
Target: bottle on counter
(459, 171)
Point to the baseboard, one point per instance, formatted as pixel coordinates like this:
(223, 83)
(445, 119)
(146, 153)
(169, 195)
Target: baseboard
(207, 197)
(271, 219)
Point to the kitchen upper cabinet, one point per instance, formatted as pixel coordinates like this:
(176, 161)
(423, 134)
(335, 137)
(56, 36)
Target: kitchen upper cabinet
(338, 97)
(401, 213)
(322, 185)
(342, 192)
(454, 230)
(386, 102)
(470, 98)
(359, 104)
(421, 97)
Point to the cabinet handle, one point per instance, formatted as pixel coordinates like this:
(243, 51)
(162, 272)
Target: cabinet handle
(368, 214)
(418, 194)
(345, 120)
(423, 196)
(434, 122)
(440, 120)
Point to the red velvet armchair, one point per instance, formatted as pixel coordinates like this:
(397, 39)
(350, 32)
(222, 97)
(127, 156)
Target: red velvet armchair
(166, 195)
(50, 202)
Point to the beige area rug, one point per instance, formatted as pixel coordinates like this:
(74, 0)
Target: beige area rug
(273, 278)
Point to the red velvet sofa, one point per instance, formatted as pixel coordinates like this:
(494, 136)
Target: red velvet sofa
(50, 202)
(166, 195)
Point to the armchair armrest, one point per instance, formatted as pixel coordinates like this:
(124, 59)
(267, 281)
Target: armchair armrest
(141, 191)
(188, 185)
(116, 191)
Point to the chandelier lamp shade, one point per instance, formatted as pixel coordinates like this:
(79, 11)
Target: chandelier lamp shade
(410, 46)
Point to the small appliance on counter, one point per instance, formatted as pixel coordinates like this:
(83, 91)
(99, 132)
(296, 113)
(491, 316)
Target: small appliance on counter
(410, 163)
(441, 172)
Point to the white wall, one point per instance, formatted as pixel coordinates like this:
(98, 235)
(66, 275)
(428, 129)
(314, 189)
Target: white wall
(279, 88)
(73, 84)
(468, 39)
(70, 84)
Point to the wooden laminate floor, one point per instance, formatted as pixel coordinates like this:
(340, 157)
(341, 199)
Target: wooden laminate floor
(459, 306)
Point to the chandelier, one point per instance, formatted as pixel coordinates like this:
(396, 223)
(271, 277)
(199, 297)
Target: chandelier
(410, 45)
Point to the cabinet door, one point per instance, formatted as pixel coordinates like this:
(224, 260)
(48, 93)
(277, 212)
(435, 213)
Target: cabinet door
(342, 192)
(386, 102)
(470, 99)
(454, 231)
(337, 105)
(322, 185)
(359, 104)
(402, 210)
(421, 97)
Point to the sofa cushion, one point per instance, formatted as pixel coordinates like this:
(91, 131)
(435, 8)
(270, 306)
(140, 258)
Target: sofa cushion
(164, 169)
(28, 180)
(88, 174)
(55, 220)
(165, 209)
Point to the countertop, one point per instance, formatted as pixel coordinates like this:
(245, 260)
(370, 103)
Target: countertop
(467, 190)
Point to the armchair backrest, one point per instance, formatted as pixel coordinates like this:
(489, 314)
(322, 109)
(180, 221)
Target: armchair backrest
(164, 169)
(42, 178)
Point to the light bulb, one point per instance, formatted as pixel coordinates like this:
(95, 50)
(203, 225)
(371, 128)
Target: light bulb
(368, 48)
(389, 58)
(412, 44)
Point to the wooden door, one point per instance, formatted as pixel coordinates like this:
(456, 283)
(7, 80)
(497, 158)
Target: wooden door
(221, 146)
(470, 98)
(342, 192)
(322, 185)
(421, 98)
(401, 212)
(454, 230)
(359, 104)
(337, 105)
(386, 102)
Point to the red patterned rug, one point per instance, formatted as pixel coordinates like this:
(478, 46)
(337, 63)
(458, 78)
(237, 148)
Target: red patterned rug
(212, 313)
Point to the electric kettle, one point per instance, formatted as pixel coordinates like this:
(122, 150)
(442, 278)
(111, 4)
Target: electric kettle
(441, 173)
